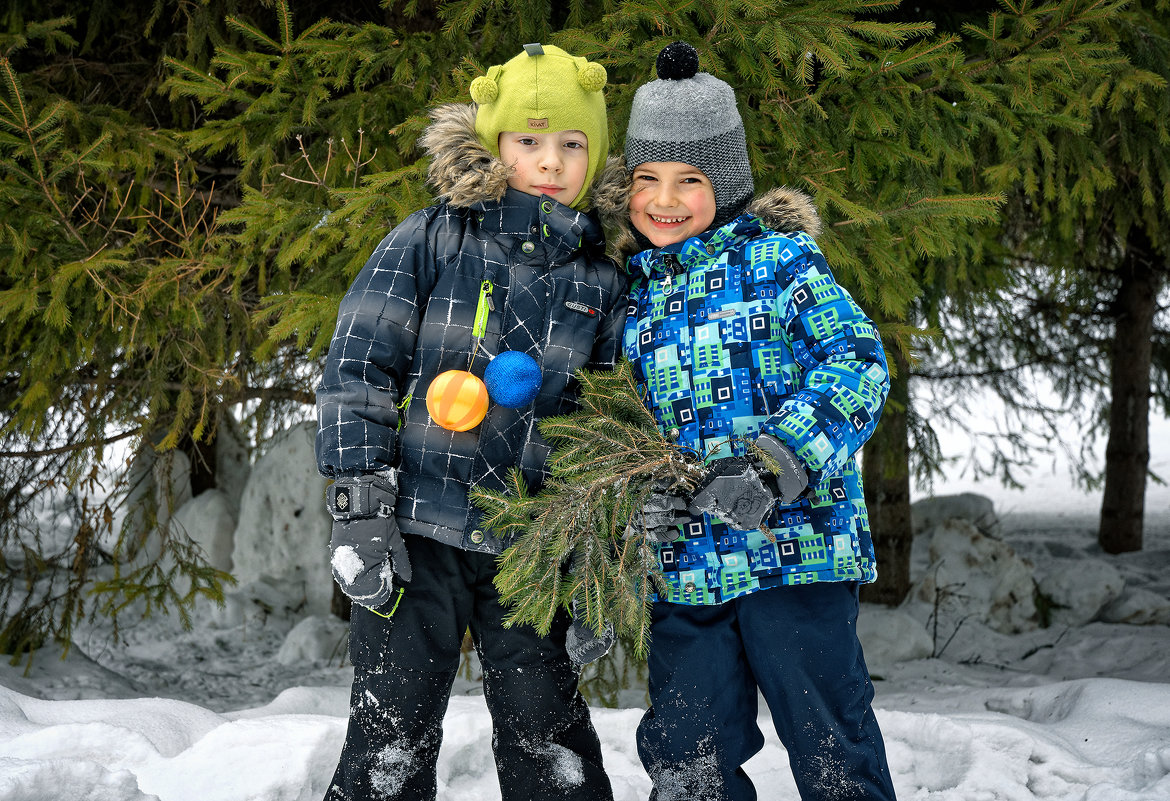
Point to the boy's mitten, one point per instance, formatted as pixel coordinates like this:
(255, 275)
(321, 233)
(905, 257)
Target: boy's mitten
(791, 479)
(368, 553)
(583, 644)
(660, 518)
(742, 490)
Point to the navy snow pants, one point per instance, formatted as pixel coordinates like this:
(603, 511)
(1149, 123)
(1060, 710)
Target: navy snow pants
(544, 743)
(798, 646)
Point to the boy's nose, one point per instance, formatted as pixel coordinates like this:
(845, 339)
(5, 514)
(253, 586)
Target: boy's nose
(550, 159)
(665, 195)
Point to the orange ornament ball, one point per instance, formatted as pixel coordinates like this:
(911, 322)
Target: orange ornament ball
(457, 400)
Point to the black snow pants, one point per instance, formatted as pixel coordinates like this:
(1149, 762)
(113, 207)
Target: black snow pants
(544, 743)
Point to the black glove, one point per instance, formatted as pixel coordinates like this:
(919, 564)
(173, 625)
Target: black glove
(583, 644)
(659, 518)
(742, 490)
(791, 479)
(368, 554)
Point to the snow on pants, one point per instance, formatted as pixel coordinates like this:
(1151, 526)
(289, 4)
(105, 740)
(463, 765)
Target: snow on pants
(544, 743)
(798, 646)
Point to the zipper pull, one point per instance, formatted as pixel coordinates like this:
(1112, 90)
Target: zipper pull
(479, 327)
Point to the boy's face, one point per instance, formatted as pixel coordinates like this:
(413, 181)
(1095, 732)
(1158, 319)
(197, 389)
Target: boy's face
(553, 164)
(671, 201)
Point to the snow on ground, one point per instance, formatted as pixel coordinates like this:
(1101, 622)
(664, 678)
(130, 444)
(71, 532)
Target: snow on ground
(976, 703)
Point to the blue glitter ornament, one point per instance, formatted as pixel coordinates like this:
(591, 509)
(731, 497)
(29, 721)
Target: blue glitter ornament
(513, 379)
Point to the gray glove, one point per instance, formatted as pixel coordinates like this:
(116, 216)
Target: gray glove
(583, 644)
(368, 554)
(741, 490)
(659, 518)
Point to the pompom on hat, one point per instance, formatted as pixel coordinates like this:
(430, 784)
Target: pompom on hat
(544, 90)
(691, 117)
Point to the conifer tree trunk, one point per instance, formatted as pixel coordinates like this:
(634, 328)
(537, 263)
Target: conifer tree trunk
(886, 473)
(1127, 453)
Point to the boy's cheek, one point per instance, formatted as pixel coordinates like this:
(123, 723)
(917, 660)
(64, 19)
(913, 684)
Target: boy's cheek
(656, 237)
(638, 220)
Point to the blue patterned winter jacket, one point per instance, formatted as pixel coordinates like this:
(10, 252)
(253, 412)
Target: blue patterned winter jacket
(743, 330)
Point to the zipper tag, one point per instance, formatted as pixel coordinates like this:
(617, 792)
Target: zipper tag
(479, 327)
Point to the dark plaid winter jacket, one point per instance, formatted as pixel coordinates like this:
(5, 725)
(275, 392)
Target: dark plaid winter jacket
(408, 317)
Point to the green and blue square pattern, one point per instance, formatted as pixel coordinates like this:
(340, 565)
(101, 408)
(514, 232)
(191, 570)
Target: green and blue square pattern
(744, 331)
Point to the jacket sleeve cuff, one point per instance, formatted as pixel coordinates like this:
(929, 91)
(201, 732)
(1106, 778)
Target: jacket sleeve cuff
(358, 497)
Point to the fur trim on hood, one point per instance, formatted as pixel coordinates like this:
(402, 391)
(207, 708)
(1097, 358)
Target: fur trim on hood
(464, 172)
(781, 209)
(611, 199)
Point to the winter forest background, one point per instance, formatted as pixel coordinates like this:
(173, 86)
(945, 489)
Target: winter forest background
(187, 189)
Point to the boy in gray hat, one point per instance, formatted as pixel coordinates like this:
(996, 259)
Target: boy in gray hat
(754, 358)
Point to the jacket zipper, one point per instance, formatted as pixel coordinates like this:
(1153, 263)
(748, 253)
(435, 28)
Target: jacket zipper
(673, 268)
(479, 326)
(485, 305)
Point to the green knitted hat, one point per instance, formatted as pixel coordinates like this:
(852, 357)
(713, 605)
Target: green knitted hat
(544, 90)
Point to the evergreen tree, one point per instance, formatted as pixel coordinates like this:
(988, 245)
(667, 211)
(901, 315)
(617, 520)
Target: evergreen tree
(1083, 246)
(166, 258)
(1026, 74)
(118, 327)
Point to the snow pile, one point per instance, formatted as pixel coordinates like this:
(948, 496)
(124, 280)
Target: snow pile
(973, 575)
(210, 521)
(1100, 739)
(1016, 671)
(320, 638)
(283, 531)
(1097, 739)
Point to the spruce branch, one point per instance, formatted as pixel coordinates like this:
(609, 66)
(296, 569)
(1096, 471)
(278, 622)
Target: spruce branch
(570, 540)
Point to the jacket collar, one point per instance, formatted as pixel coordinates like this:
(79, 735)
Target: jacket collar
(553, 229)
(707, 246)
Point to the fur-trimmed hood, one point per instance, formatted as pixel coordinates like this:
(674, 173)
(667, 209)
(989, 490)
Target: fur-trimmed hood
(464, 172)
(781, 209)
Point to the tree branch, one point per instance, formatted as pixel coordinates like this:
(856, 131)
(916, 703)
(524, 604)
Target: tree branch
(77, 446)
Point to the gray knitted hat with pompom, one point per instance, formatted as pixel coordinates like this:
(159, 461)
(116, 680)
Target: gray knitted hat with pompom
(690, 117)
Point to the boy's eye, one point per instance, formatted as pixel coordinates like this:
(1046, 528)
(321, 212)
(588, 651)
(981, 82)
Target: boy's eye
(645, 178)
(527, 140)
(574, 145)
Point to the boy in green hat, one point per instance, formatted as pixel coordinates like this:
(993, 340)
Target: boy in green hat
(508, 260)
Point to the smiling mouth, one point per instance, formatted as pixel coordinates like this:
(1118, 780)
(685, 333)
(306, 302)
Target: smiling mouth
(667, 220)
